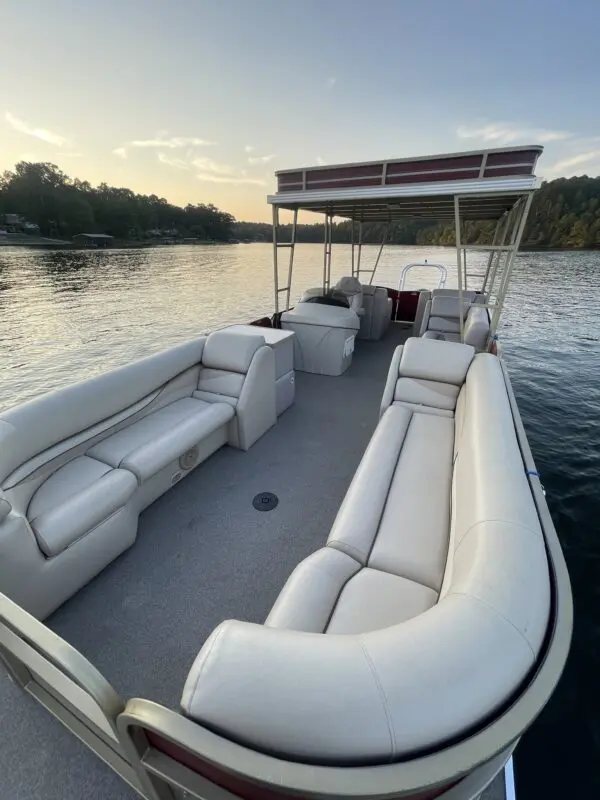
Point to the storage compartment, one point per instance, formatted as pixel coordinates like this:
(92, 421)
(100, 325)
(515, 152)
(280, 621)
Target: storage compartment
(325, 336)
(282, 343)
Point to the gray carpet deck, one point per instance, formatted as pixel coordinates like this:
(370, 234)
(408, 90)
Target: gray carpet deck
(203, 554)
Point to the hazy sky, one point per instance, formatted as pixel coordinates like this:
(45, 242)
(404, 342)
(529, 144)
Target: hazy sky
(201, 100)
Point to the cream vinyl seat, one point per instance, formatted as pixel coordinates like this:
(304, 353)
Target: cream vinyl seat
(352, 288)
(476, 330)
(78, 465)
(426, 608)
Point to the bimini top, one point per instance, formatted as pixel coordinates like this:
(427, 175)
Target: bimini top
(488, 183)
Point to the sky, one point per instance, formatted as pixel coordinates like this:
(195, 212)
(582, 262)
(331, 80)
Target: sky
(202, 100)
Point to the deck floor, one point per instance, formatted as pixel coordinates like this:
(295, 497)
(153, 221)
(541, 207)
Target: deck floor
(203, 554)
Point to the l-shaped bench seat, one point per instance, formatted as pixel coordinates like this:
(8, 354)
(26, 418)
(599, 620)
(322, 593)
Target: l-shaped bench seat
(78, 465)
(426, 608)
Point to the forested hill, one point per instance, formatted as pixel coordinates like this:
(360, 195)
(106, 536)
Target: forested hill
(565, 214)
(61, 207)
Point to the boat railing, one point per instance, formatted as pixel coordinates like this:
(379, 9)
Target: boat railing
(63, 681)
(443, 273)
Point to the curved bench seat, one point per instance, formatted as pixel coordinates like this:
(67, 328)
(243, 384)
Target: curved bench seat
(425, 610)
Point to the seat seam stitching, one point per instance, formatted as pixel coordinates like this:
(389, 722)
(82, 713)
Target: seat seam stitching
(383, 697)
(349, 547)
(505, 521)
(498, 613)
(394, 575)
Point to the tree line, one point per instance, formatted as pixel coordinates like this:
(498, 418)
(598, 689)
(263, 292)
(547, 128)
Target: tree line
(62, 207)
(565, 213)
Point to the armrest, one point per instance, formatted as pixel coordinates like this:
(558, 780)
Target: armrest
(256, 409)
(357, 699)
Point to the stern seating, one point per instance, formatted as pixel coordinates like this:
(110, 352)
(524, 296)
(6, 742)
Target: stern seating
(370, 303)
(78, 465)
(428, 604)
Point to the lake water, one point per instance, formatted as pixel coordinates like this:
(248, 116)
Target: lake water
(67, 315)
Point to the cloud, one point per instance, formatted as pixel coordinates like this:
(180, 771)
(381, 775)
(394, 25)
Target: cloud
(248, 148)
(179, 163)
(210, 177)
(120, 151)
(261, 159)
(72, 155)
(171, 143)
(208, 165)
(565, 166)
(506, 133)
(39, 133)
(331, 82)
(214, 172)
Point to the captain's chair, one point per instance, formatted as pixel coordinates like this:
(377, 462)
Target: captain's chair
(353, 290)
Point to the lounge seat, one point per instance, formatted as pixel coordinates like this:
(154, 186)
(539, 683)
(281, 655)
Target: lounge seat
(427, 607)
(78, 465)
(149, 445)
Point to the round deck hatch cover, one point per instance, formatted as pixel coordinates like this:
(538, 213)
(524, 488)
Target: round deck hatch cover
(265, 501)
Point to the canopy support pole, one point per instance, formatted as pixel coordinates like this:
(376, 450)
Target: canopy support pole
(382, 245)
(275, 265)
(519, 227)
(360, 242)
(291, 262)
(327, 243)
(459, 265)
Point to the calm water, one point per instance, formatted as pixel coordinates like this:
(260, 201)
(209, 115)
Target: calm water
(67, 315)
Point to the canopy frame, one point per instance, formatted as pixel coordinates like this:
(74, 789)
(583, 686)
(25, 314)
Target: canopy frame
(444, 189)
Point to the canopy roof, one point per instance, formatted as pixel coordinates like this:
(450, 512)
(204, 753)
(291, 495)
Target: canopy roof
(488, 183)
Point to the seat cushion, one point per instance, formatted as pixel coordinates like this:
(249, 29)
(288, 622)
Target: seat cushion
(372, 599)
(75, 499)
(443, 325)
(426, 393)
(413, 535)
(149, 444)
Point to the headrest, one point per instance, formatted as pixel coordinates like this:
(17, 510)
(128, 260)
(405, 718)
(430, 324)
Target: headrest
(349, 285)
(231, 351)
(448, 306)
(432, 360)
(468, 294)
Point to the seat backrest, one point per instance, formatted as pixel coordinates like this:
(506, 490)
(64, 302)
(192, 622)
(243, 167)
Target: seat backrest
(52, 419)
(497, 553)
(426, 373)
(225, 362)
(448, 306)
(353, 290)
(375, 320)
(467, 293)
